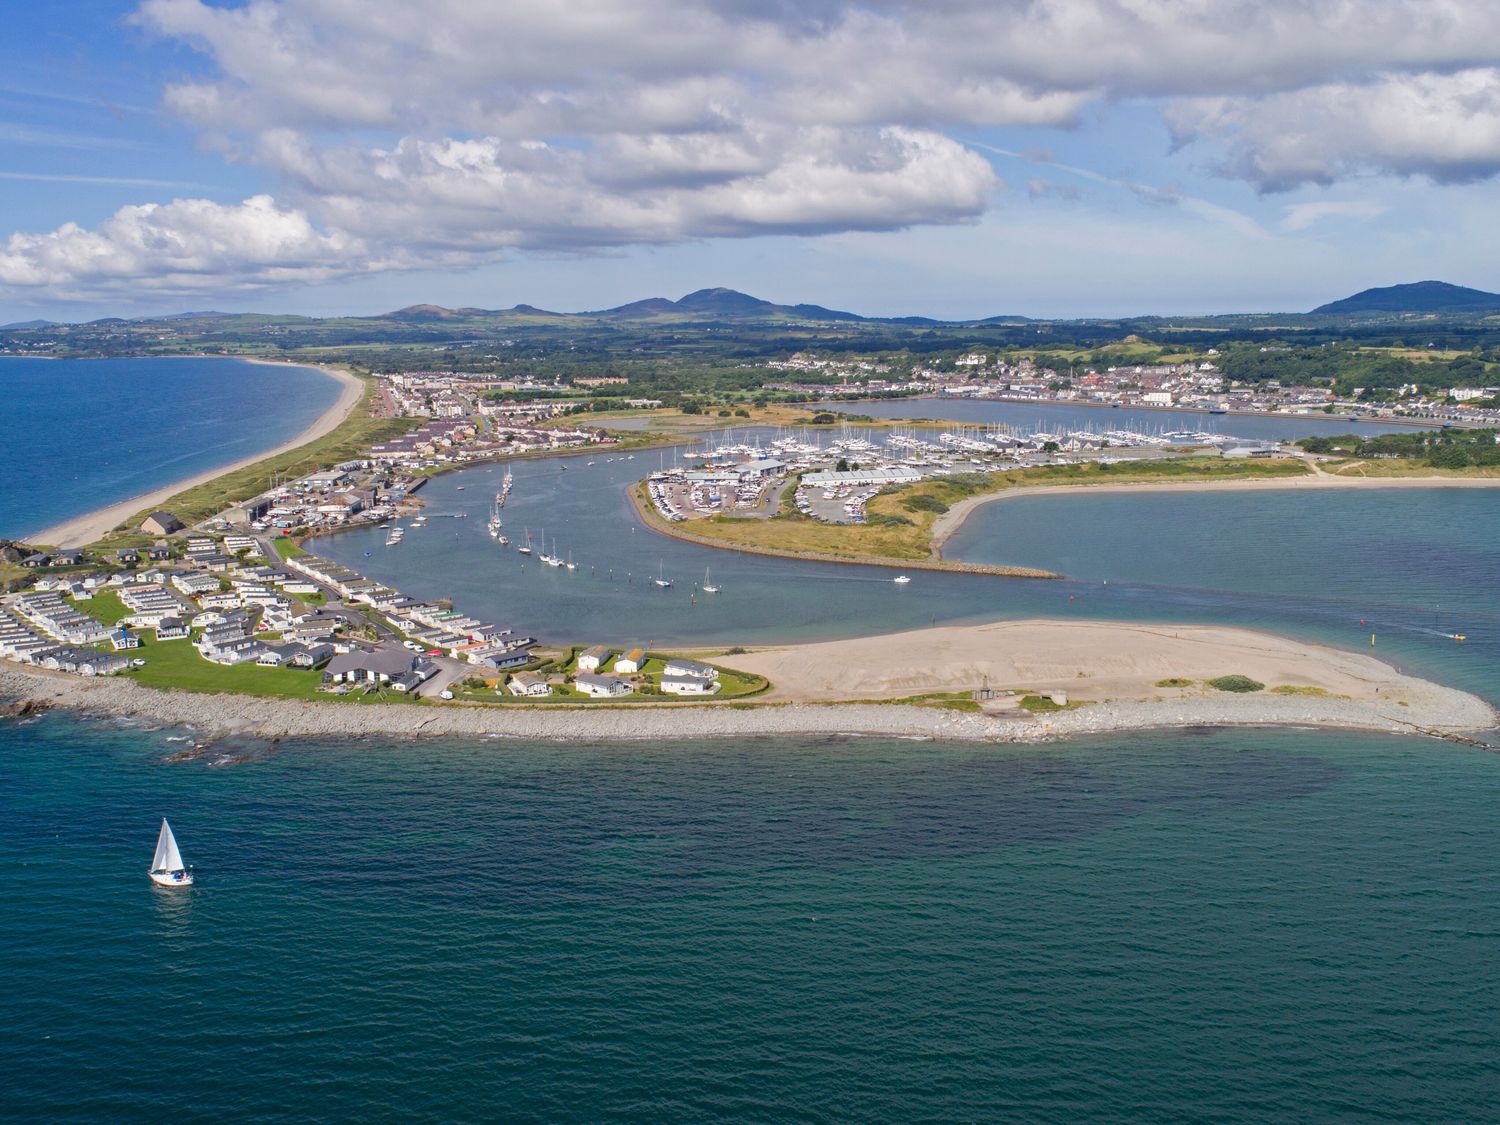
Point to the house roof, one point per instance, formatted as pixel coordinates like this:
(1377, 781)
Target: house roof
(383, 662)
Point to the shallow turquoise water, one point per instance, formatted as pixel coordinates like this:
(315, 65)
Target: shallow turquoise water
(81, 434)
(1196, 926)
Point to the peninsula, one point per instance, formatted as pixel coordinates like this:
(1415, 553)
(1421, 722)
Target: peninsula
(1012, 681)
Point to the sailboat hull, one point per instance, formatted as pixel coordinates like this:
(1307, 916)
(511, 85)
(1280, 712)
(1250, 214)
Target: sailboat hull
(172, 878)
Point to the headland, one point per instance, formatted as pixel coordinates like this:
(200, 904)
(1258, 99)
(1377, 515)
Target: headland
(1034, 680)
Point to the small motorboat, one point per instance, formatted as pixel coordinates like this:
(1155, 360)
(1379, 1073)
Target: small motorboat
(901, 580)
(167, 868)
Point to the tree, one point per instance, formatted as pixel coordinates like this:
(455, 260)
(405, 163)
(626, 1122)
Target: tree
(842, 466)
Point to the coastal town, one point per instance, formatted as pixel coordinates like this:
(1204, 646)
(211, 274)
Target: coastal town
(242, 589)
(1197, 384)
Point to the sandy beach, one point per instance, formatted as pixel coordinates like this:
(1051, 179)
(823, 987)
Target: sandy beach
(1113, 666)
(950, 521)
(84, 529)
(1096, 661)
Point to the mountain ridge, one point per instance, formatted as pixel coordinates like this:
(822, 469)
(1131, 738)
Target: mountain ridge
(1414, 297)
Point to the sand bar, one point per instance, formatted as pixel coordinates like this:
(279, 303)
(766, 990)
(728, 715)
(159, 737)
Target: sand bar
(949, 522)
(84, 529)
(1120, 664)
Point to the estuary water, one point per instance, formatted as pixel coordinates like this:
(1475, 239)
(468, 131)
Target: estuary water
(1199, 926)
(81, 434)
(1061, 416)
(1411, 566)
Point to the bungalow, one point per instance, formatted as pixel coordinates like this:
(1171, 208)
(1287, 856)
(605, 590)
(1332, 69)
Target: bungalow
(422, 671)
(172, 629)
(499, 661)
(191, 584)
(67, 558)
(689, 669)
(688, 685)
(273, 657)
(123, 638)
(633, 661)
(102, 664)
(528, 683)
(161, 523)
(67, 659)
(602, 687)
(378, 666)
(128, 557)
(158, 552)
(239, 651)
(31, 562)
(592, 659)
(309, 655)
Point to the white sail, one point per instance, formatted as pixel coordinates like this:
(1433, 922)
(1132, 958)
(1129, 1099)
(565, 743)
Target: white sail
(167, 858)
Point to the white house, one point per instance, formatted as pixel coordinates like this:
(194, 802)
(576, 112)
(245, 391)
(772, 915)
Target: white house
(689, 669)
(602, 687)
(592, 659)
(528, 683)
(631, 662)
(688, 685)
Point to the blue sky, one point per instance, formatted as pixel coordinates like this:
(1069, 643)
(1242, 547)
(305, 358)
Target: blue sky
(1044, 157)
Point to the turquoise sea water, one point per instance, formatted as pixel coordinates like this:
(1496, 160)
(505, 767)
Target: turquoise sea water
(82, 434)
(1196, 926)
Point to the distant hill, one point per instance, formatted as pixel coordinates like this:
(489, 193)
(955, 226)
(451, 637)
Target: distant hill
(29, 324)
(1417, 297)
(718, 304)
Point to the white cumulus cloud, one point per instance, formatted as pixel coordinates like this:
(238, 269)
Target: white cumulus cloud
(175, 247)
(450, 132)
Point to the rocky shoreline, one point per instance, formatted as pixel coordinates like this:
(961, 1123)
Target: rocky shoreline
(1449, 713)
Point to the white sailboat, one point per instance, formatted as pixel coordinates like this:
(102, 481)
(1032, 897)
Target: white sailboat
(525, 547)
(167, 868)
(661, 579)
(708, 587)
(549, 559)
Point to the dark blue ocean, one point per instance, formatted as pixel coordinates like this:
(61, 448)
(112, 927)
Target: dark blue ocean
(81, 434)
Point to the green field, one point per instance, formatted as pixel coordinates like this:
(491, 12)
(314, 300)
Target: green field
(104, 606)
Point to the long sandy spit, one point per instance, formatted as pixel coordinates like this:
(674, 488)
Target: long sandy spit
(1114, 667)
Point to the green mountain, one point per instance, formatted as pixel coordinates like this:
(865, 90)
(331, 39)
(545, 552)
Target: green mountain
(1417, 297)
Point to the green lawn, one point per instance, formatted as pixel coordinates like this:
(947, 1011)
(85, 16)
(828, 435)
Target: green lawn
(104, 606)
(287, 548)
(176, 664)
